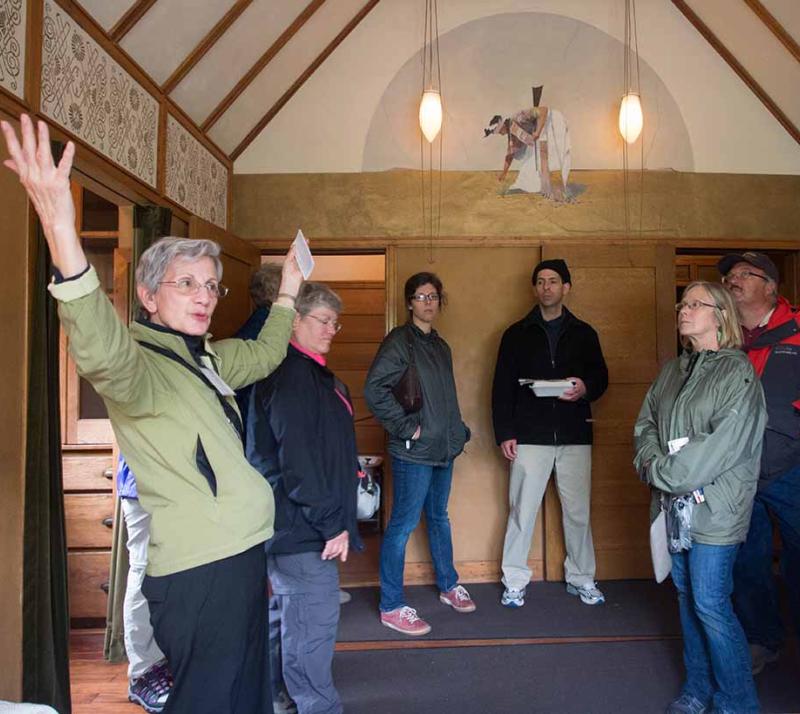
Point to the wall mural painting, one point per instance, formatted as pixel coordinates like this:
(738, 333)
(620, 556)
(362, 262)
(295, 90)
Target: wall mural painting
(12, 46)
(195, 178)
(538, 139)
(557, 149)
(88, 93)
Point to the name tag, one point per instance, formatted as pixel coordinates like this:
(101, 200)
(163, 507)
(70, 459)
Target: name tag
(677, 444)
(217, 381)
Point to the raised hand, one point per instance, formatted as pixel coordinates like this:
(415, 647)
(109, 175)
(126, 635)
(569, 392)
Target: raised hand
(48, 188)
(291, 276)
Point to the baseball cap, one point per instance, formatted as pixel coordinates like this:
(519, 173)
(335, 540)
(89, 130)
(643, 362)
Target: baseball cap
(757, 260)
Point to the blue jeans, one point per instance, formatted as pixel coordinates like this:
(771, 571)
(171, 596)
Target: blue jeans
(755, 594)
(715, 650)
(417, 487)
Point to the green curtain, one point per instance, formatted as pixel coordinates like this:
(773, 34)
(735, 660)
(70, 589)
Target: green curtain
(45, 602)
(149, 224)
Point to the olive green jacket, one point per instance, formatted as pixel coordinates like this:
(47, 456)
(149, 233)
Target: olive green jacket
(167, 422)
(716, 400)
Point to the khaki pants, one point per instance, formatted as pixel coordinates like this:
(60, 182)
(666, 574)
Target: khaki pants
(530, 472)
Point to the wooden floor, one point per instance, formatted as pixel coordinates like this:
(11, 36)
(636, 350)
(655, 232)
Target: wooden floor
(97, 686)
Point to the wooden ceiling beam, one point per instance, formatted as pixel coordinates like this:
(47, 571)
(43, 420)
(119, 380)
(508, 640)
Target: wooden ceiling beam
(774, 27)
(289, 93)
(205, 45)
(734, 64)
(126, 23)
(262, 62)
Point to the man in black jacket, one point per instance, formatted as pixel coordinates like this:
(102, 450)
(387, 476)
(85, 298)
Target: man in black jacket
(541, 434)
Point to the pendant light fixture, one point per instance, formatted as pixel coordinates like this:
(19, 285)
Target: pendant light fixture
(430, 106)
(430, 124)
(631, 119)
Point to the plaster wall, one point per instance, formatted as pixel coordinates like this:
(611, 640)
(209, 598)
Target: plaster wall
(324, 127)
(667, 205)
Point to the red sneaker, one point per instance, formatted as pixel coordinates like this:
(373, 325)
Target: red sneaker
(458, 598)
(405, 619)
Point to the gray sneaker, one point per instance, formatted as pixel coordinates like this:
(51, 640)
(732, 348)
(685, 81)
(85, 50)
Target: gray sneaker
(588, 593)
(686, 704)
(513, 598)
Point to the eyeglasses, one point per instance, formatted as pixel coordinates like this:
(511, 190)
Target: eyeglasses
(327, 322)
(189, 286)
(694, 305)
(742, 275)
(422, 297)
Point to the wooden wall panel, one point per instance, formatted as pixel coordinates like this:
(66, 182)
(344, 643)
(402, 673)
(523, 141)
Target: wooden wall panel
(488, 288)
(239, 260)
(625, 292)
(14, 309)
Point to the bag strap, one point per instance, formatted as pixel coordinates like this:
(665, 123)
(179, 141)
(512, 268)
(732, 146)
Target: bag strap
(231, 414)
(412, 362)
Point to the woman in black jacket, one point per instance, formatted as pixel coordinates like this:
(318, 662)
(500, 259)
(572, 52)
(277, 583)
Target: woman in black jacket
(300, 435)
(422, 445)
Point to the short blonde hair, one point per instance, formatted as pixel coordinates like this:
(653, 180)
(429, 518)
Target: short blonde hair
(729, 334)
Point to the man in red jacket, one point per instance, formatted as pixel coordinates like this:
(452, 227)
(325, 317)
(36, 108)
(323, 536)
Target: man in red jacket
(771, 328)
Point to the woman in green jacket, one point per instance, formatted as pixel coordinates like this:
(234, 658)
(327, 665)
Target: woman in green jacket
(169, 394)
(698, 445)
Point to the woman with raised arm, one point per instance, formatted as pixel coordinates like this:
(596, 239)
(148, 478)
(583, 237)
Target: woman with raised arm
(169, 394)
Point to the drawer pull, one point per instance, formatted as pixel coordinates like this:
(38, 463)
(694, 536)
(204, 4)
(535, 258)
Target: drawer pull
(104, 587)
(108, 473)
(108, 522)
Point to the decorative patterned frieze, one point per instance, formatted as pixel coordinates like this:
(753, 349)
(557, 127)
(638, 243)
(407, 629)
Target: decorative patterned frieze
(12, 46)
(196, 179)
(87, 92)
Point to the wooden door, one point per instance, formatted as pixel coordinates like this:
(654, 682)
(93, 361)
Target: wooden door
(626, 292)
(239, 260)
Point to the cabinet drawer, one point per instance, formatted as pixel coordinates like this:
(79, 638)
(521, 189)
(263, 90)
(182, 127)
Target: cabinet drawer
(89, 520)
(88, 574)
(84, 472)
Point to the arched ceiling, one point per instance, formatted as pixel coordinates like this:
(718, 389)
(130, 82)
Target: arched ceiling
(231, 65)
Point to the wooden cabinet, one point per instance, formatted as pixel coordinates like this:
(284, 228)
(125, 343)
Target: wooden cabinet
(86, 435)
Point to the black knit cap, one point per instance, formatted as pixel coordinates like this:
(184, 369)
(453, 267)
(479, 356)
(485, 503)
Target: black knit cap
(557, 265)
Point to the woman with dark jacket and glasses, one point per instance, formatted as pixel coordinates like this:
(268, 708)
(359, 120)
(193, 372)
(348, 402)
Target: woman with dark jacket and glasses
(422, 446)
(300, 436)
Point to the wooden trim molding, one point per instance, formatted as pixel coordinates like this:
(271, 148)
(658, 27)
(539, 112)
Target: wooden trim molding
(127, 22)
(736, 66)
(774, 27)
(387, 243)
(205, 45)
(262, 62)
(289, 93)
(33, 55)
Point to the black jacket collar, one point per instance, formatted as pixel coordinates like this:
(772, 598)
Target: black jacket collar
(534, 317)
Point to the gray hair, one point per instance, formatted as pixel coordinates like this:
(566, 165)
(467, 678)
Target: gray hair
(265, 283)
(154, 262)
(313, 295)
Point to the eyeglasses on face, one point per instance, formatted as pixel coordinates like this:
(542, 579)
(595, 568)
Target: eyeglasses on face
(326, 322)
(694, 305)
(422, 297)
(189, 286)
(742, 275)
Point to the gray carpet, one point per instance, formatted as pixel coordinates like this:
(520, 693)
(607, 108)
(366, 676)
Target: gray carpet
(608, 678)
(632, 608)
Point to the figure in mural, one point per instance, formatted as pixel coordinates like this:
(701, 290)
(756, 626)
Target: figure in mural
(539, 139)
